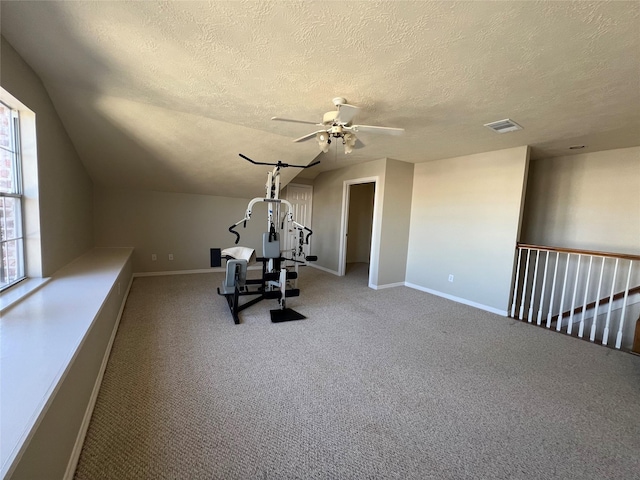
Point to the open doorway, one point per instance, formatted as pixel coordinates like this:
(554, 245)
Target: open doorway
(358, 225)
(359, 228)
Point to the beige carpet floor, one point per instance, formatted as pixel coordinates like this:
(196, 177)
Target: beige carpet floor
(393, 383)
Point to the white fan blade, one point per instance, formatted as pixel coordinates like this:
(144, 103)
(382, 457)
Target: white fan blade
(374, 129)
(294, 121)
(307, 137)
(346, 113)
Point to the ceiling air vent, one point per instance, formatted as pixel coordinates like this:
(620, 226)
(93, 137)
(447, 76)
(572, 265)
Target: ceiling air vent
(503, 126)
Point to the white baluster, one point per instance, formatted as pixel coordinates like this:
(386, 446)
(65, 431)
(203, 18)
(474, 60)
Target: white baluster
(573, 297)
(584, 302)
(525, 282)
(564, 288)
(624, 307)
(594, 322)
(605, 335)
(515, 287)
(544, 284)
(533, 289)
(553, 290)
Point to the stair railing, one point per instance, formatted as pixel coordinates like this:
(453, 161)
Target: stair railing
(589, 294)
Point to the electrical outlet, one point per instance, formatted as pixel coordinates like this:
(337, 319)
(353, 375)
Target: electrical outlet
(171, 256)
(154, 257)
(451, 278)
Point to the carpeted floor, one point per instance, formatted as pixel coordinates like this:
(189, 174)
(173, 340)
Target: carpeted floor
(393, 383)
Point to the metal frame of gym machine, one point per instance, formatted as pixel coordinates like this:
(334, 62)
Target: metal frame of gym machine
(277, 281)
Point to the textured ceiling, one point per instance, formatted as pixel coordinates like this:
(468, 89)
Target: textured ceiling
(164, 95)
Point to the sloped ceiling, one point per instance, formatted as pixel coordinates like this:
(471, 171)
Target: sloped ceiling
(164, 95)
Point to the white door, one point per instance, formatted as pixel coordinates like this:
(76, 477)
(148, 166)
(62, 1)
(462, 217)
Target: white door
(300, 197)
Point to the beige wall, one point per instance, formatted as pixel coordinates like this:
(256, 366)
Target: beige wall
(396, 218)
(65, 189)
(589, 201)
(360, 222)
(464, 221)
(182, 224)
(300, 181)
(390, 231)
(327, 211)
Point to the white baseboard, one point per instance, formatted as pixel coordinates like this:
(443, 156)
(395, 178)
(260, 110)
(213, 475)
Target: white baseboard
(387, 285)
(464, 301)
(82, 433)
(324, 269)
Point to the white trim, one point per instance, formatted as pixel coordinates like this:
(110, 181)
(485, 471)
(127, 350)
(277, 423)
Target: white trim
(387, 285)
(82, 433)
(20, 291)
(615, 306)
(186, 272)
(324, 269)
(464, 301)
(30, 193)
(344, 222)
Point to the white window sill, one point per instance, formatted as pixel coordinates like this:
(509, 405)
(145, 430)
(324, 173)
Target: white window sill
(18, 292)
(39, 337)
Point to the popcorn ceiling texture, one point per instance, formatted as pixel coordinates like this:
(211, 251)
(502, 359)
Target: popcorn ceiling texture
(164, 95)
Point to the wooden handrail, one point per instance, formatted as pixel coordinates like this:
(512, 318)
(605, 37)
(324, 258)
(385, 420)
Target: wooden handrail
(576, 251)
(603, 301)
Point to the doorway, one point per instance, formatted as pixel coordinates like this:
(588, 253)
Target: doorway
(357, 247)
(359, 227)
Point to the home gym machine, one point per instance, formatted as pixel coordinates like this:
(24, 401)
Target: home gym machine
(279, 273)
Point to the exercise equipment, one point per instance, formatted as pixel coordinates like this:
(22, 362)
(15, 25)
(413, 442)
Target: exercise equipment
(279, 273)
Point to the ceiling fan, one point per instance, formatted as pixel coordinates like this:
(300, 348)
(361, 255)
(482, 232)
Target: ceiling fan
(339, 124)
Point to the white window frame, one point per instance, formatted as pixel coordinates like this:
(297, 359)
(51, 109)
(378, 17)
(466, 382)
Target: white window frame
(8, 279)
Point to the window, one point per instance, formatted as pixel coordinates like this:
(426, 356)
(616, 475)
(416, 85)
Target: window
(11, 237)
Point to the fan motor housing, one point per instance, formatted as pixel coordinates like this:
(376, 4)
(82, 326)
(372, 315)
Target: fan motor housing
(329, 117)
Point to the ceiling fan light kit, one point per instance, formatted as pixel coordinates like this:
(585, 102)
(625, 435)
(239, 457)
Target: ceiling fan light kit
(324, 141)
(339, 124)
(349, 141)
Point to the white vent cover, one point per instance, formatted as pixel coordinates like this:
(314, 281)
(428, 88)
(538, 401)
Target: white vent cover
(503, 126)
